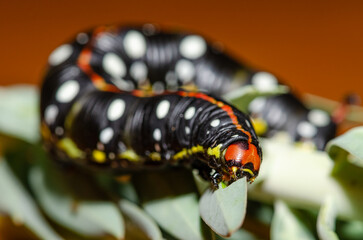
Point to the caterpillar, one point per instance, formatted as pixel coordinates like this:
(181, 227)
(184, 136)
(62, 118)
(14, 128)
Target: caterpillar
(103, 103)
(136, 97)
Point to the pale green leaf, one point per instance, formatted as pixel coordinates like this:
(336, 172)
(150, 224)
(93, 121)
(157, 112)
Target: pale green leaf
(177, 215)
(352, 230)
(170, 198)
(19, 112)
(140, 219)
(286, 225)
(238, 235)
(224, 209)
(349, 143)
(89, 218)
(18, 203)
(326, 220)
(347, 152)
(302, 178)
(241, 97)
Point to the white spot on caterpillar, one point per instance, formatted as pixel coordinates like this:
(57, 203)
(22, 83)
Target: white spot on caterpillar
(115, 109)
(121, 147)
(248, 123)
(187, 130)
(157, 134)
(111, 155)
(185, 70)
(306, 130)
(60, 54)
(114, 65)
(189, 113)
(264, 81)
(123, 84)
(82, 38)
(215, 122)
(134, 44)
(138, 71)
(171, 78)
(106, 135)
(105, 42)
(158, 87)
(67, 91)
(318, 117)
(162, 109)
(257, 105)
(193, 47)
(50, 114)
(59, 131)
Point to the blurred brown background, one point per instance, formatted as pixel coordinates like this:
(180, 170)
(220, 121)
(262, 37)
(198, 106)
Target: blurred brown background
(314, 46)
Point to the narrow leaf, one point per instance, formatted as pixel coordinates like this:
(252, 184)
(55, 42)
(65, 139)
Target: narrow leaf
(89, 218)
(224, 209)
(140, 219)
(286, 225)
(171, 200)
(19, 112)
(326, 220)
(241, 97)
(18, 203)
(238, 235)
(177, 215)
(347, 152)
(349, 143)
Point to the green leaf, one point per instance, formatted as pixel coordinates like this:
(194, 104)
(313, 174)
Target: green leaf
(177, 215)
(326, 220)
(302, 178)
(224, 209)
(347, 152)
(349, 143)
(120, 189)
(238, 235)
(241, 97)
(286, 225)
(19, 112)
(352, 230)
(170, 198)
(18, 203)
(140, 219)
(89, 218)
(201, 184)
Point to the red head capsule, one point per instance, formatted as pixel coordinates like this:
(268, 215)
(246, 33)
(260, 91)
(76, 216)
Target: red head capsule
(242, 159)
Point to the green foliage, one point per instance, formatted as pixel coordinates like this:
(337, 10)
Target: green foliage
(298, 187)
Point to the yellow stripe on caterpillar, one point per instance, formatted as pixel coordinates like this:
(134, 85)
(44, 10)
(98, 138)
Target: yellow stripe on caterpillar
(185, 152)
(129, 155)
(99, 156)
(45, 132)
(155, 156)
(77, 106)
(216, 151)
(70, 148)
(260, 126)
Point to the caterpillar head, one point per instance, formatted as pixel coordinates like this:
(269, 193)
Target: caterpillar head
(242, 159)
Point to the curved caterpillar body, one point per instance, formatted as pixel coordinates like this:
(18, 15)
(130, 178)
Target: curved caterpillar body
(285, 112)
(87, 116)
(112, 98)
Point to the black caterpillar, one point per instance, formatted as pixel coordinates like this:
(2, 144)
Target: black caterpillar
(112, 98)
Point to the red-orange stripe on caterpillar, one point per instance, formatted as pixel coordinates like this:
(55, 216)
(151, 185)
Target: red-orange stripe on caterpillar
(99, 82)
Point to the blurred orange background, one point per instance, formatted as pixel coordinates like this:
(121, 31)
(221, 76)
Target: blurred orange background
(315, 46)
